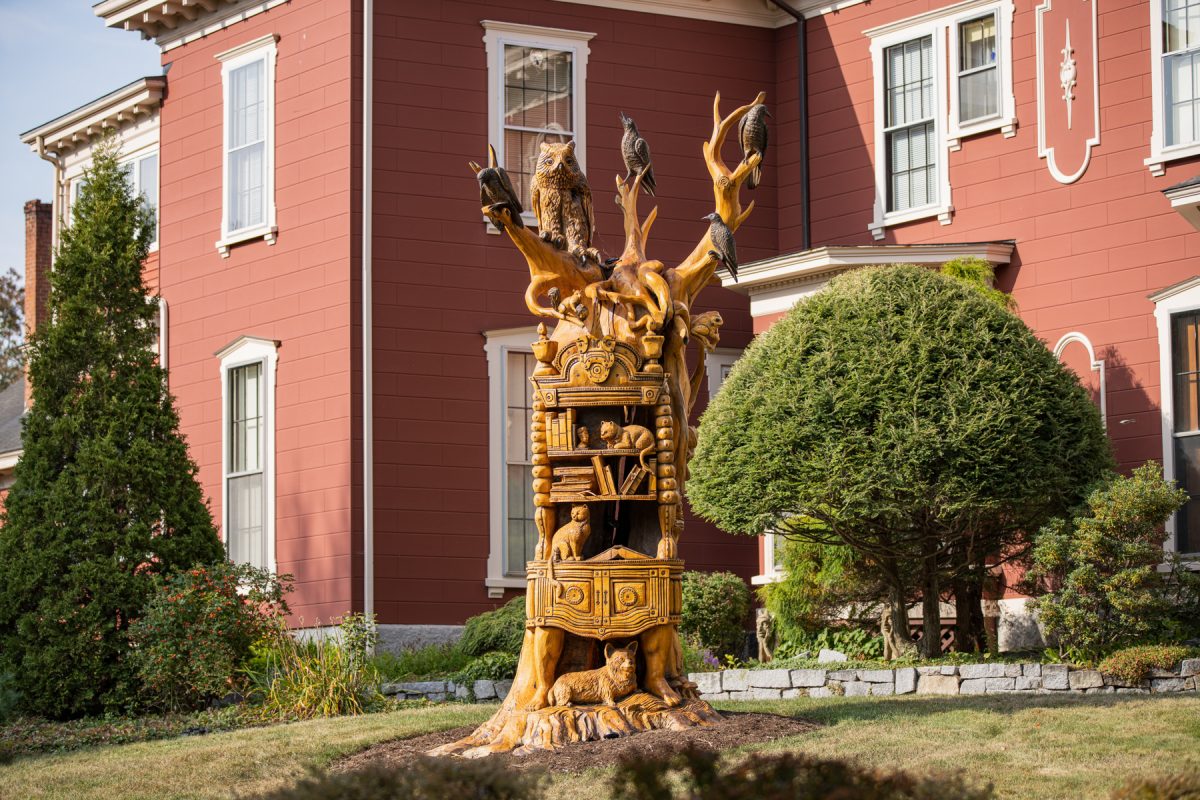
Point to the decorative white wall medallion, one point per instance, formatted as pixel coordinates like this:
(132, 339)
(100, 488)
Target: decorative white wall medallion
(1067, 77)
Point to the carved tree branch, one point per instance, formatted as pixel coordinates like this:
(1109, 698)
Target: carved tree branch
(636, 232)
(698, 268)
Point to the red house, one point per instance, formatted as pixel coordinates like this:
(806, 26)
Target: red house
(346, 337)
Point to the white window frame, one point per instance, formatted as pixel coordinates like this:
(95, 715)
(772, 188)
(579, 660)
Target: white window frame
(74, 185)
(1005, 119)
(243, 351)
(713, 362)
(1160, 153)
(135, 176)
(260, 49)
(941, 208)
(770, 572)
(1178, 299)
(499, 34)
(498, 344)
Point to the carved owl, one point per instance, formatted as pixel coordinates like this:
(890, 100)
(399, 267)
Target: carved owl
(562, 200)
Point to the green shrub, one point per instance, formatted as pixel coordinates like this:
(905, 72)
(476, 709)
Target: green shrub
(818, 583)
(325, 677)
(196, 634)
(1178, 787)
(435, 660)
(1100, 569)
(488, 667)
(698, 774)
(105, 495)
(500, 630)
(9, 697)
(980, 276)
(423, 779)
(1133, 664)
(858, 644)
(715, 607)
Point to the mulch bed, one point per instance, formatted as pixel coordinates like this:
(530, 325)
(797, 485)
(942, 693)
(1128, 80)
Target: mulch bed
(737, 729)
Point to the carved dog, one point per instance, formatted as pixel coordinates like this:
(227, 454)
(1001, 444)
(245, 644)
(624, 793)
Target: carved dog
(628, 437)
(608, 684)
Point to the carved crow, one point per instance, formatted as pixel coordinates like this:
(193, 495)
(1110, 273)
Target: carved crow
(496, 190)
(724, 247)
(636, 153)
(752, 133)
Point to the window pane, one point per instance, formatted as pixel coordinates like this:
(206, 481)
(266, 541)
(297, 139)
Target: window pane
(909, 81)
(247, 174)
(246, 537)
(777, 552)
(537, 88)
(1185, 358)
(912, 168)
(1187, 475)
(245, 418)
(978, 95)
(519, 529)
(148, 183)
(247, 121)
(977, 43)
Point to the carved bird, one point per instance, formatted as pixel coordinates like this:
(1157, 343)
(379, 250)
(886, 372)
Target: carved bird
(636, 153)
(496, 189)
(752, 133)
(562, 201)
(724, 247)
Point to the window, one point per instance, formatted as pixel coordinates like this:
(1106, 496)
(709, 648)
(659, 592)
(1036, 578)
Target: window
(248, 399)
(248, 202)
(143, 175)
(537, 94)
(1177, 314)
(513, 533)
(922, 111)
(1175, 77)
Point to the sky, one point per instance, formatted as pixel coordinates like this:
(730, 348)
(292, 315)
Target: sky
(55, 55)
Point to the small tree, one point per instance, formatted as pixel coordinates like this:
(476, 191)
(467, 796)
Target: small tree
(105, 495)
(715, 610)
(1105, 590)
(820, 584)
(916, 421)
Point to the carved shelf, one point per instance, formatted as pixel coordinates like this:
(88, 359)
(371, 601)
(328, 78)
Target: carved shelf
(590, 453)
(596, 498)
(605, 599)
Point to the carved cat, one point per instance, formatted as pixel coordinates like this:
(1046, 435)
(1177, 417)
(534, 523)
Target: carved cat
(568, 541)
(608, 684)
(628, 437)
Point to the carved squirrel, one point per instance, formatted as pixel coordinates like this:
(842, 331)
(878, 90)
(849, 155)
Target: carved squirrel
(628, 437)
(608, 684)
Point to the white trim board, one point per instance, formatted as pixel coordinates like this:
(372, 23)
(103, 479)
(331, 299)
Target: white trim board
(753, 13)
(1096, 365)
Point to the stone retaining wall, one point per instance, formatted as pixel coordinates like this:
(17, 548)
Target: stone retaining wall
(774, 684)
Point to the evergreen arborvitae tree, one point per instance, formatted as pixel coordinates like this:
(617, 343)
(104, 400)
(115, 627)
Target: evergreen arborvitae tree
(105, 494)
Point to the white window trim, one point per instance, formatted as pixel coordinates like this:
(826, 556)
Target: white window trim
(770, 574)
(1095, 364)
(241, 352)
(498, 344)
(942, 208)
(1181, 298)
(1160, 153)
(262, 48)
(1005, 120)
(135, 173)
(720, 357)
(74, 181)
(496, 36)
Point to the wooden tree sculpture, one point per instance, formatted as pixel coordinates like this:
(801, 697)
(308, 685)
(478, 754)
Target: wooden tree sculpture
(610, 444)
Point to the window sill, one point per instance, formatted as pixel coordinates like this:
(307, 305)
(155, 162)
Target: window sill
(505, 583)
(265, 232)
(1157, 162)
(943, 214)
(1007, 126)
(763, 580)
(527, 217)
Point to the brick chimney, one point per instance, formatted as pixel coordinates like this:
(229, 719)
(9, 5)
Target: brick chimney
(39, 252)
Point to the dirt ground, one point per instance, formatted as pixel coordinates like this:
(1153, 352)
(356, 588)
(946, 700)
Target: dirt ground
(737, 729)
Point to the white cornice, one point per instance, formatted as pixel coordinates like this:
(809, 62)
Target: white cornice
(244, 340)
(176, 22)
(1174, 289)
(536, 31)
(111, 112)
(1186, 200)
(754, 13)
(803, 267)
(9, 460)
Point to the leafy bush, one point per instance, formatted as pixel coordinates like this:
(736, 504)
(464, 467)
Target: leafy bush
(818, 583)
(715, 607)
(9, 697)
(500, 630)
(197, 631)
(105, 495)
(857, 643)
(980, 276)
(423, 779)
(435, 660)
(1133, 664)
(699, 774)
(1100, 568)
(326, 677)
(488, 667)
(1178, 787)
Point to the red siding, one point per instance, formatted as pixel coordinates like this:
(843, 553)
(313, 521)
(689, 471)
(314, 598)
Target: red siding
(298, 291)
(441, 279)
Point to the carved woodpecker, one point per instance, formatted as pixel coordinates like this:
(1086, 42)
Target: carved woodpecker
(636, 153)
(496, 189)
(752, 134)
(724, 247)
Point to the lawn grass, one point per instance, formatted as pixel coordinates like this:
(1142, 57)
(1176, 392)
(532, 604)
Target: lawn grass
(1030, 747)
